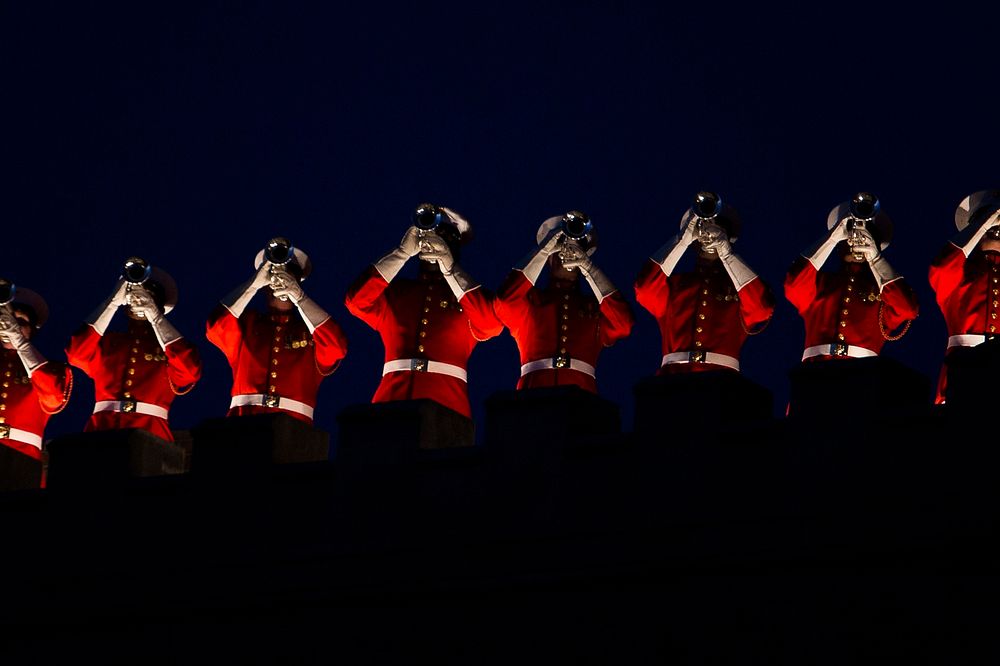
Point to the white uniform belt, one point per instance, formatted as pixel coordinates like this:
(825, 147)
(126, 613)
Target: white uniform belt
(837, 349)
(701, 357)
(423, 365)
(23, 436)
(275, 401)
(130, 407)
(559, 363)
(968, 340)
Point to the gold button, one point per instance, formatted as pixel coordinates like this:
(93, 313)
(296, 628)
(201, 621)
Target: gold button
(850, 288)
(697, 343)
(840, 336)
(566, 296)
(3, 408)
(420, 348)
(565, 306)
(562, 338)
(6, 384)
(427, 298)
(995, 280)
(274, 361)
(424, 321)
(277, 349)
(127, 394)
(850, 279)
(704, 292)
(135, 350)
(562, 350)
(132, 360)
(993, 329)
(994, 303)
(430, 287)
(701, 316)
(128, 382)
(273, 374)
(7, 374)
(277, 338)
(137, 341)
(427, 309)
(706, 280)
(564, 327)
(697, 329)
(993, 315)
(444, 304)
(843, 324)
(423, 334)
(996, 291)
(3, 420)
(148, 357)
(3, 395)
(847, 299)
(278, 327)
(131, 371)
(704, 302)
(844, 311)
(272, 389)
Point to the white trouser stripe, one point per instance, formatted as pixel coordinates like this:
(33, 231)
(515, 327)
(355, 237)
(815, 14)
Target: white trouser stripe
(423, 365)
(131, 406)
(274, 401)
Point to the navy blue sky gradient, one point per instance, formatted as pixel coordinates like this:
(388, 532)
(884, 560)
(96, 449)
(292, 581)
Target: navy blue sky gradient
(192, 135)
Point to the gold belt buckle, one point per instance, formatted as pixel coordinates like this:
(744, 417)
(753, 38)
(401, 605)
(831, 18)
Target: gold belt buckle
(128, 406)
(839, 349)
(561, 361)
(418, 364)
(271, 400)
(4, 431)
(697, 356)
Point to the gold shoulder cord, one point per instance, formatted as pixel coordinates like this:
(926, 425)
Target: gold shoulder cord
(65, 401)
(174, 388)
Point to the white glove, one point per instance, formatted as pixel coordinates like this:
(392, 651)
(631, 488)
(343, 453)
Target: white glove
(10, 330)
(142, 304)
(533, 263)
(820, 251)
(238, 299)
(100, 318)
(435, 250)
(390, 265)
(669, 255)
(968, 239)
(574, 257)
(285, 286)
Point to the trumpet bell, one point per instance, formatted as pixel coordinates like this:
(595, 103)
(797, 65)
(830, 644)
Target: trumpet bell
(707, 205)
(865, 206)
(427, 217)
(576, 225)
(279, 251)
(136, 270)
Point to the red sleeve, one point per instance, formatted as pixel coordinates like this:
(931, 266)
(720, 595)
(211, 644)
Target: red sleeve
(225, 332)
(478, 308)
(616, 318)
(366, 297)
(510, 304)
(946, 272)
(53, 383)
(652, 289)
(330, 346)
(183, 365)
(800, 284)
(84, 349)
(899, 304)
(756, 302)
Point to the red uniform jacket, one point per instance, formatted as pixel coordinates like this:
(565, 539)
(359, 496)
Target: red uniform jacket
(274, 354)
(422, 319)
(26, 404)
(701, 310)
(845, 306)
(968, 293)
(131, 365)
(559, 320)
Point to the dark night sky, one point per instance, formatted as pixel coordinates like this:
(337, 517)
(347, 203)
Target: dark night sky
(192, 135)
